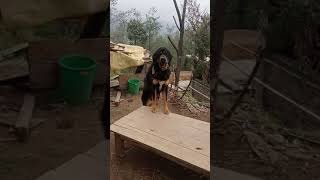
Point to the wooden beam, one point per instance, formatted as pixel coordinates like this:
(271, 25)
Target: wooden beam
(22, 125)
(216, 49)
(114, 83)
(117, 99)
(7, 122)
(207, 97)
(119, 143)
(154, 132)
(7, 52)
(243, 48)
(13, 67)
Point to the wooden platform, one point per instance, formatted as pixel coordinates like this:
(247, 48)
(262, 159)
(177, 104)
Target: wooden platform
(181, 139)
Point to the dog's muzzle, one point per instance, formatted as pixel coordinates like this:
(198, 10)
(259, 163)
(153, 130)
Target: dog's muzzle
(163, 62)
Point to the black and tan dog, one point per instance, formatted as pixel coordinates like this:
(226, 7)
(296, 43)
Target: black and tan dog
(156, 80)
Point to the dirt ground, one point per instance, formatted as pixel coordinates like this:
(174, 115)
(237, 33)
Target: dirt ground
(143, 165)
(48, 147)
(257, 143)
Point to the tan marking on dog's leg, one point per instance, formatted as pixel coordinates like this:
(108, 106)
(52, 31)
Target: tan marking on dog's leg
(167, 82)
(157, 101)
(149, 102)
(154, 101)
(165, 103)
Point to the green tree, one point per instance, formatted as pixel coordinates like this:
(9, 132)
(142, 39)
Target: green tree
(136, 32)
(118, 24)
(152, 25)
(198, 33)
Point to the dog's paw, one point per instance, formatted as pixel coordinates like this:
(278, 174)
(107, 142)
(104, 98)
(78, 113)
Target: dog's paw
(166, 111)
(153, 109)
(154, 81)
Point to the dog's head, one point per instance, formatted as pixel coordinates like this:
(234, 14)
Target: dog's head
(162, 58)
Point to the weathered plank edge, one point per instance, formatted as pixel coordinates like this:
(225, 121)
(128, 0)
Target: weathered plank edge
(164, 154)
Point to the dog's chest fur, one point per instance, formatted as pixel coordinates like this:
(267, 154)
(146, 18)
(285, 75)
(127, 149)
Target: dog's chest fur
(160, 75)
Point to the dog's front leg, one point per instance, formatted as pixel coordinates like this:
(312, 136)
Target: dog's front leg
(165, 100)
(154, 101)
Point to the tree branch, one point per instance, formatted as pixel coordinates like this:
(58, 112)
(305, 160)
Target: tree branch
(246, 88)
(174, 46)
(184, 11)
(176, 23)
(178, 11)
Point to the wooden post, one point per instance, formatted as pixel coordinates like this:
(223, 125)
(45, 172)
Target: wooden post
(217, 39)
(22, 125)
(117, 99)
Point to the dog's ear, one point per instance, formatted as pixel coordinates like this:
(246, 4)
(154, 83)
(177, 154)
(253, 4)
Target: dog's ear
(156, 55)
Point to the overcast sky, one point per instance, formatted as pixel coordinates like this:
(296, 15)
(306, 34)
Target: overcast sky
(165, 7)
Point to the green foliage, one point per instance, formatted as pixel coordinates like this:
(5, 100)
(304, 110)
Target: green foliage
(136, 32)
(197, 41)
(199, 70)
(187, 64)
(151, 25)
(147, 28)
(118, 23)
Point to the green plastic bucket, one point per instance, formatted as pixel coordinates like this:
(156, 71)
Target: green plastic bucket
(133, 86)
(76, 78)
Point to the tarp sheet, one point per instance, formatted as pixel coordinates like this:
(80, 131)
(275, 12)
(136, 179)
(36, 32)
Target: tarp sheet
(25, 13)
(131, 56)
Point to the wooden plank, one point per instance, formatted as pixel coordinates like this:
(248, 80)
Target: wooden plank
(207, 97)
(171, 151)
(172, 136)
(193, 140)
(22, 124)
(114, 83)
(7, 122)
(10, 51)
(13, 68)
(36, 122)
(183, 120)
